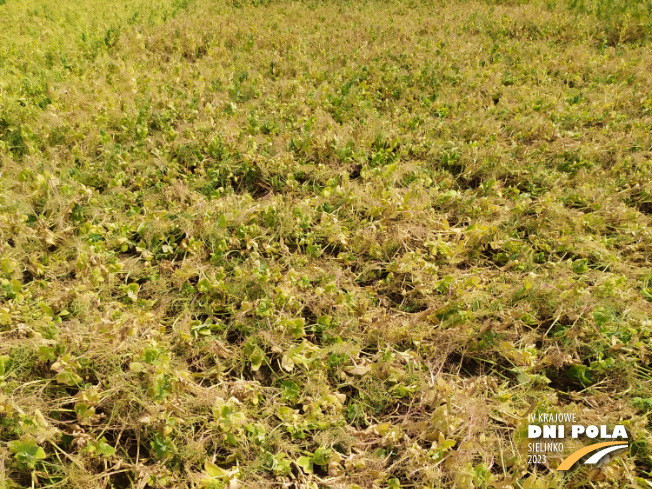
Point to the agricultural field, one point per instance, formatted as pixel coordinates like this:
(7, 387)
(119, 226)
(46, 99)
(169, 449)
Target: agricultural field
(313, 244)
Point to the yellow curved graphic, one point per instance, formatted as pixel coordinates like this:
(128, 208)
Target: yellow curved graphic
(575, 456)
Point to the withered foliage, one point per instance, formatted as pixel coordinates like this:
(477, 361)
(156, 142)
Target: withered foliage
(321, 244)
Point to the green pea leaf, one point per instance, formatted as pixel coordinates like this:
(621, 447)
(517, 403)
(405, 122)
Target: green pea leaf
(322, 456)
(306, 464)
(289, 390)
(27, 452)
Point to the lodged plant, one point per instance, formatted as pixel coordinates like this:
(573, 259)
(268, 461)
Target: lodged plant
(321, 244)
